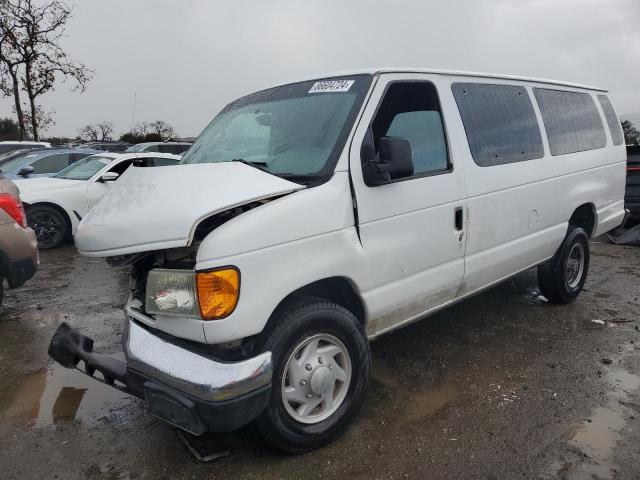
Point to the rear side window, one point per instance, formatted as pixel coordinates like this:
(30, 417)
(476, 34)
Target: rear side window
(572, 121)
(612, 119)
(162, 162)
(51, 163)
(411, 110)
(500, 123)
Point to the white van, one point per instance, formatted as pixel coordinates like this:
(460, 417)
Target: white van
(310, 218)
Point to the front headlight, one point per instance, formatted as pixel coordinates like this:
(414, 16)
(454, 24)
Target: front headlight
(206, 295)
(171, 292)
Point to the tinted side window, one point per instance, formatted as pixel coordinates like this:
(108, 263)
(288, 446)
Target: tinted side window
(51, 163)
(612, 119)
(161, 162)
(411, 111)
(500, 123)
(74, 157)
(182, 148)
(168, 149)
(572, 121)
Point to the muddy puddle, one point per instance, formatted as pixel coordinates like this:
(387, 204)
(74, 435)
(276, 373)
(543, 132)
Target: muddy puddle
(598, 436)
(54, 394)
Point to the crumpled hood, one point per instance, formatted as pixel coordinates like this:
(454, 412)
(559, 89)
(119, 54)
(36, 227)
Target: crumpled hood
(159, 207)
(39, 184)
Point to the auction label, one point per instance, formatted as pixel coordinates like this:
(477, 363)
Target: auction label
(331, 86)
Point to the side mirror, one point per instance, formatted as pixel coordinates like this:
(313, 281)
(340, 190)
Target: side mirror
(26, 171)
(109, 177)
(394, 160)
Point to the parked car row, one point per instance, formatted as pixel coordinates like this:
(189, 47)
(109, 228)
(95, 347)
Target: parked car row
(40, 162)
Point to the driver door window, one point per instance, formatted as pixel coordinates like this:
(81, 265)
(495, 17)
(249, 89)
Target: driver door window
(411, 111)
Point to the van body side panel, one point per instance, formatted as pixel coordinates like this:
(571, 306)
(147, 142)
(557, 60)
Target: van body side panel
(518, 213)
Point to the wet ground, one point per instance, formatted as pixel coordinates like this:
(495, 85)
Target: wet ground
(501, 386)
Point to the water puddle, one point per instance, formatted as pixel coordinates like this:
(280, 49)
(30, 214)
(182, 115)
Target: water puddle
(599, 435)
(55, 394)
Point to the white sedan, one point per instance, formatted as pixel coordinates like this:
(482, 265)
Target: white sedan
(55, 205)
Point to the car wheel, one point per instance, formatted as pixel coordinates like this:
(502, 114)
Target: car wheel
(321, 362)
(562, 277)
(49, 224)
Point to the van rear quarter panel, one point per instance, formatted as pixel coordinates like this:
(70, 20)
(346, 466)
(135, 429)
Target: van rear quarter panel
(518, 213)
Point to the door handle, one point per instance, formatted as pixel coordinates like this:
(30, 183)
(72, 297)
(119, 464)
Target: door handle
(458, 218)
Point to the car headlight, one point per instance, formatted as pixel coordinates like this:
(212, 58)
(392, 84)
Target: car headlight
(209, 295)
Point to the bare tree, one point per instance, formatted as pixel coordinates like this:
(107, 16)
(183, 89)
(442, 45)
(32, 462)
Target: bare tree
(106, 130)
(44, 120)
(97, 132)
(10, 60)
(89, 133)
(140, 129)
(34, 32)
(162, 129)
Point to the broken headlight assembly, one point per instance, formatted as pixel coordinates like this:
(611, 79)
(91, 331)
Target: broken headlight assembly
(209, 295)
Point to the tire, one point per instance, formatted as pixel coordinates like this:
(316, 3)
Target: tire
(49, 224)
(562, 277)
(335, 328)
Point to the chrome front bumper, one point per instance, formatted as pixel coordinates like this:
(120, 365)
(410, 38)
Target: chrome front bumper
(191, 373)
(181, 386)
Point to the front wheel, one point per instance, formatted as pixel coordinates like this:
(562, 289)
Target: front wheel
(562, 277)
(321, 370)
(49, 225)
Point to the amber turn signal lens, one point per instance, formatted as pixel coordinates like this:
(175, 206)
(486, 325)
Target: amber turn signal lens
(218, 292)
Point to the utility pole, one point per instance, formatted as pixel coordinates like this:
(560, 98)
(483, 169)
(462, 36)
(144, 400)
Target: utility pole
(133, 111)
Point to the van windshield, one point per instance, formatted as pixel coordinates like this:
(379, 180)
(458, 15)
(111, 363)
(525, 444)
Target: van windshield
(295, 131)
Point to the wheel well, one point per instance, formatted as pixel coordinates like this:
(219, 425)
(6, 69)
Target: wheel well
(335, 289)
(584, 216)
(64, 213)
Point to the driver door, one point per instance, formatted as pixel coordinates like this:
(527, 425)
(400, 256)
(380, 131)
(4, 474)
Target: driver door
(412, 229)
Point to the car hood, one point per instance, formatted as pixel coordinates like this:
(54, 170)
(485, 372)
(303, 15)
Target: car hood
(38, 184)
(160, 207)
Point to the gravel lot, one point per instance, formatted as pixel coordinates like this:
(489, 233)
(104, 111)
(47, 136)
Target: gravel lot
(501, 386)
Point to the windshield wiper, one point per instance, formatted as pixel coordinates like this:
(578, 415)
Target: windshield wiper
(251, 164)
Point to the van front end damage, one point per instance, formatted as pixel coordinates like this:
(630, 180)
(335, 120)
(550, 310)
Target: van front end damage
(181, 386)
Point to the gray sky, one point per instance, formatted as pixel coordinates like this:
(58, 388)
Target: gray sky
(189, 58)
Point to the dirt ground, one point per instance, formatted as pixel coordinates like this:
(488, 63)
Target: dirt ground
(502, 386)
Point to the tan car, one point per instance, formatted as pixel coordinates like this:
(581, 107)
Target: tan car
(18, 245)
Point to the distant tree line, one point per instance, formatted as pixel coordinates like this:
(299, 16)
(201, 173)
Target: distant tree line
(32, 61)
(631, 133)
(156, 131)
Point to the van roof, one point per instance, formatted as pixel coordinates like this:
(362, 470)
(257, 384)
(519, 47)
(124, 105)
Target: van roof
(380, 70)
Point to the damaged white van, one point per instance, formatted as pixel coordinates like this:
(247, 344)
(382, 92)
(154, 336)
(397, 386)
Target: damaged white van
(310, 218)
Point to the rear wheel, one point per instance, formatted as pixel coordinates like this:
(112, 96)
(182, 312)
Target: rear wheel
(321, 370)
(562, 277)
(49, 225)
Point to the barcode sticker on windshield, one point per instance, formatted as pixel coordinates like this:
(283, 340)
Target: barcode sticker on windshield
(331, 86)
